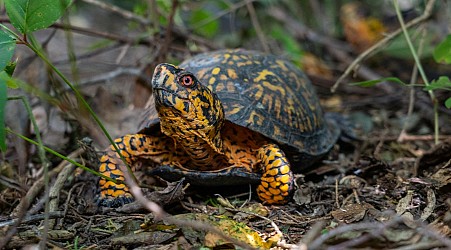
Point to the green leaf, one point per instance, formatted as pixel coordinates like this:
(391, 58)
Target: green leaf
(31, 15)
(289, 43)
(442, 82)
(3, 98)
(204, 22)
(7, 46)
(372, 83)
(442, 53)
(10, 82)
(10, 67)
(448, 103)
(399, 48)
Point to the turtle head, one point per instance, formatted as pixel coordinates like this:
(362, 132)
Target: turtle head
(185, 106)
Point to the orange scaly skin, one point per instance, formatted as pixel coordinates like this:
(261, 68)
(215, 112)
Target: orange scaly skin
(245, 149)
(276, 182)
(134, 148)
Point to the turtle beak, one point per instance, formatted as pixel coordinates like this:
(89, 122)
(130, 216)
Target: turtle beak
(162, 79)
(165, 87)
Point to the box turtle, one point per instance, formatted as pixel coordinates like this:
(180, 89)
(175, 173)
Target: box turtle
(226, 118)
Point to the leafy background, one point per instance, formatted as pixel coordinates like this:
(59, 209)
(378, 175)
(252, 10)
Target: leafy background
(72, 69)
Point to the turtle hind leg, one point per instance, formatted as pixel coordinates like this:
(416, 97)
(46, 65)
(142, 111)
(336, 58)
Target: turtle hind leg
(277, 181)
(132, 148)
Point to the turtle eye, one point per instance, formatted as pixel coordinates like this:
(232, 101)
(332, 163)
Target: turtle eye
(187, 80)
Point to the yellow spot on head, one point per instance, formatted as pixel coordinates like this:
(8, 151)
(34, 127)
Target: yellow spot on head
(179, 104)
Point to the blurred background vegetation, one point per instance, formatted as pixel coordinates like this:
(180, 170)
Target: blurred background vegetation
(108, 50)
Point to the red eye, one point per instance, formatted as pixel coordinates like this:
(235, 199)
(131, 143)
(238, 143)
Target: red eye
(187, 81)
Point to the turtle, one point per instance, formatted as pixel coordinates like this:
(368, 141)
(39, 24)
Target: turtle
(226, 117)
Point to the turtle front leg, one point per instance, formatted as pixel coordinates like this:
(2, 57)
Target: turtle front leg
(132, 148)
(277, 180)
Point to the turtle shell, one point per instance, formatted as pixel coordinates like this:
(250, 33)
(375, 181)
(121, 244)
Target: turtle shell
(268, 95)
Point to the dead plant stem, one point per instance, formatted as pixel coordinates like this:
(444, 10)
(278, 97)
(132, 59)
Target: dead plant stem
(413, 80)
(419, 66)
(256, 24)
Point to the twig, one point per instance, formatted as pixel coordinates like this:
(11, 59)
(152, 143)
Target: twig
(32, 218)
(420, 67)
(413, 80)
(367, 226)
(421, 246)
(99, 78)
(110, 36)
(123, 39)
(408, 137)
(256, 24)
(302, 32)
(424, 229)
(371, 234)
(160, 214)
(59, 183)
(231, 7)
(89, 54)
(337, 203)
(337, 48)
(319, 14)
(124, 13)
(122, 53)
(167, 38)
(154, 15)
(313, 233)
(21, 209)
(426, 14)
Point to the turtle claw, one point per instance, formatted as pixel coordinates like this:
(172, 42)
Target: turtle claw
(114, 202)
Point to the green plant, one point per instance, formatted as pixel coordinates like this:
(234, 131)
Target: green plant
(28, 16)
(442, 54)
